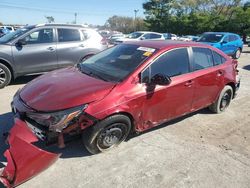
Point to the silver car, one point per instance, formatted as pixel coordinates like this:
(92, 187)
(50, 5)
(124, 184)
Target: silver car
(45, 47)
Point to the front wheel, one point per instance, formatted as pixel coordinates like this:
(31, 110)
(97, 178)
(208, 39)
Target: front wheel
(224, 100)
(5, 76)
(107, 134)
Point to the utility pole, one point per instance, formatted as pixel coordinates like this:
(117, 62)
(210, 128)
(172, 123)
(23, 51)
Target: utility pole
(136, 10)
(75, 17)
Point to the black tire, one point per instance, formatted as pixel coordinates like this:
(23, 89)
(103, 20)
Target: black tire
(224, 100)
(237, 54)
(107, 134)
(5, 76)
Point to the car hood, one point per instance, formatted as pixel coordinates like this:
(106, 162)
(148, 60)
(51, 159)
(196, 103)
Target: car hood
(62, 89)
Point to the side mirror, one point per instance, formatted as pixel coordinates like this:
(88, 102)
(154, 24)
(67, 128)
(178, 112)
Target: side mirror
(142, 38)
(21, 42)
(160, 79)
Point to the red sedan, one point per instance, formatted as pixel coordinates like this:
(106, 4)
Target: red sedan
(128, 88)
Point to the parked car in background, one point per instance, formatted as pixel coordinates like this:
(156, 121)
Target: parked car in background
(174, 36)
(115, 37)
(188, 38)
(229, 43)
(45, 47)
(10, 28)
(141, 35)
(4, 31)
(167, 36)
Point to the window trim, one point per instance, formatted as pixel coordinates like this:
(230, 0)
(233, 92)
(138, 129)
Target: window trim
(189, 51)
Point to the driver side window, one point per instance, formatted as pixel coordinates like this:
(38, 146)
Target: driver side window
(172, 63)
(40, 36)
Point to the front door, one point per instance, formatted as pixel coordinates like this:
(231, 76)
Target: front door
(38, 54)
(162, 103)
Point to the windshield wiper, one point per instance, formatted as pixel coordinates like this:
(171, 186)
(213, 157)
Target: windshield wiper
(89, 73)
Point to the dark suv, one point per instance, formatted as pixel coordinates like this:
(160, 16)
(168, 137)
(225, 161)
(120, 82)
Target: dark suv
(45, 47)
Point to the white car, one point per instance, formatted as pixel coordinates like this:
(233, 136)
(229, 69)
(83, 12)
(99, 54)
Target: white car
(141, 35)
(10, 28)
(173, 36)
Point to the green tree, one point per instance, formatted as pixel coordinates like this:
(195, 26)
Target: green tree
(50, 19)
(124, 24)
(158, 14)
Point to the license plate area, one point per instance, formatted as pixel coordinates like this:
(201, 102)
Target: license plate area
(38, 132)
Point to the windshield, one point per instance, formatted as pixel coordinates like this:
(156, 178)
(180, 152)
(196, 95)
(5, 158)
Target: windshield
(115, 63)
(12, 35)
(210, 38)
(134, 35)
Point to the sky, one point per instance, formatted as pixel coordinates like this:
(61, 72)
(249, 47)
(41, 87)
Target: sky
(88, 11)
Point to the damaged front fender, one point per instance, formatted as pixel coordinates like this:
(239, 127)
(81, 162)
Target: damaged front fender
(24, 160)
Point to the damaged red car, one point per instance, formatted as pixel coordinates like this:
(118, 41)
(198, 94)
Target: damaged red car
(128, 88)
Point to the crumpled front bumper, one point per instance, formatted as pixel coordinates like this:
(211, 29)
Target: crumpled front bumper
(24, 160)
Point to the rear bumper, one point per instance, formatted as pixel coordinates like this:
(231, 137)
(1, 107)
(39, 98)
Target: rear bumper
(24, 160)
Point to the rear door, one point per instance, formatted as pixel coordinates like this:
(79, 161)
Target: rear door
(208, 78)
(70, 46)
(39, 52)
(162, 103)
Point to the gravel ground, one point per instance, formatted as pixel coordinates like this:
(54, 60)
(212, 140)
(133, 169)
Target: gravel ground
(198, 150)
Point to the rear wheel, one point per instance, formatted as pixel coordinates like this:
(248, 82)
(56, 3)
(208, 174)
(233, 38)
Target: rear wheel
(107, 134)
(237, 54)
(223, 101)
(5, 76)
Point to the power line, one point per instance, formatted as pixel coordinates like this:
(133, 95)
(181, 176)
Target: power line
(54, 10)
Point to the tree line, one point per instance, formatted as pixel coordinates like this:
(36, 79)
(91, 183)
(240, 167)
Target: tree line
(191, 17)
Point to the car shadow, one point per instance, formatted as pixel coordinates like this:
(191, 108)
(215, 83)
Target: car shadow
(6, 122)
(247, 67)
(23, 79)
(75, 148)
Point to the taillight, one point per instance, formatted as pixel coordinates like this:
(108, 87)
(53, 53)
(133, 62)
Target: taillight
(104, 41)
(235, 64)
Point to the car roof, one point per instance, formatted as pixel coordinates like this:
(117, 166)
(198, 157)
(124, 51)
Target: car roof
(221, 33)
(147, 32)
(59, 24)
(164, 44)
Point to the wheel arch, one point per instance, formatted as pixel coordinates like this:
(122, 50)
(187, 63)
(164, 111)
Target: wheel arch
(8, 65)
(130, 116)
(231, 84)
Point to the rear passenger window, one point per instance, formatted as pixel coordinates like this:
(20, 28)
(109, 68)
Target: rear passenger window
(67, 35)
(218, 59)
(173, 63)
(202, 58)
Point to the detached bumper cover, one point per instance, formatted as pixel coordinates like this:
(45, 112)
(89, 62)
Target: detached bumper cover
(24, 159)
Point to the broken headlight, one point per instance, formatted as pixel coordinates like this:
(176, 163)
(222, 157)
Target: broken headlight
(57, 121)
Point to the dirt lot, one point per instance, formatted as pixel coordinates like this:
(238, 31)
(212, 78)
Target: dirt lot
(199, 150)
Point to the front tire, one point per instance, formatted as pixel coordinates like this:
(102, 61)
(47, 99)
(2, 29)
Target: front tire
(5, 76)
(224, 100)
(107, 134)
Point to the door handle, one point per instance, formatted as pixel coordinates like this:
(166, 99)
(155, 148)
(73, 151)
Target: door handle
(81, 45)
(189, 83)
(51, 49)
